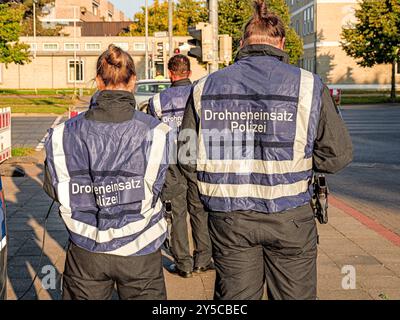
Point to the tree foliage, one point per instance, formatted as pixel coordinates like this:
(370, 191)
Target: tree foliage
(233, 15)
(375, 36)
(27, 24)
(186, 13)
(11, 50)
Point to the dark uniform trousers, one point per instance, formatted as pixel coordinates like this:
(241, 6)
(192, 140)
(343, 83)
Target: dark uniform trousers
(93, 276)
(184, 197)
(251, 248)
(3, 273)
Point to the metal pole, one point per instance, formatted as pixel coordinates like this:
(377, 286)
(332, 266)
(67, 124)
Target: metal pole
(146, 60)
(170, 26)
(75, 50)
(34, 40)
(213, 7)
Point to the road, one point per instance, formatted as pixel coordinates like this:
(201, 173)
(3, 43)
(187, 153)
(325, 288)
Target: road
(371, 182)
(29, 131)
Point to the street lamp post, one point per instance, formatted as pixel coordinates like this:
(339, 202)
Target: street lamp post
(213, 7)
(34, 40)
(75, 70)
(170, 26)
(146, 60)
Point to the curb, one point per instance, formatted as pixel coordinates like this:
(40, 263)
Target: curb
(368, 222)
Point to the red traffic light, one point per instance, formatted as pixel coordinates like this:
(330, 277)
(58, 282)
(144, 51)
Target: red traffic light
(177, 51)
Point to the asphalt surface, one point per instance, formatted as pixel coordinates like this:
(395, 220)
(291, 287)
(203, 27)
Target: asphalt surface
(372, 180)
(29, 131)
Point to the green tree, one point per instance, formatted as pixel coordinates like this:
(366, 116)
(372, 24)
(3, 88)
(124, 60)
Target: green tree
(27, 23)
(375, 36)
(186, 13)
(11, 50)
(294, 44)
(233, 15)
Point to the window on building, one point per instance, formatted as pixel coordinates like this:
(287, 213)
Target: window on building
(71, 46)
(75, 71)
(92, 46)
(50, 46)
(122, 45)
(110, 16)
(308, 21)
(95, 8)
(140, 46)
(398, 67)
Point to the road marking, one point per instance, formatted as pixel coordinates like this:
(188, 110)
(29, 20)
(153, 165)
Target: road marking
(368, 222)
(40, 145)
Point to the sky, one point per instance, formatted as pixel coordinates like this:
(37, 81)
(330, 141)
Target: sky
(129, 7)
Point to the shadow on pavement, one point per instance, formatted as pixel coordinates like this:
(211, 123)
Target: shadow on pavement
(27, 205)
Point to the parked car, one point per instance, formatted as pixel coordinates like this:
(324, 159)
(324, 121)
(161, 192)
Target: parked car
(145, 89)
(3, 245)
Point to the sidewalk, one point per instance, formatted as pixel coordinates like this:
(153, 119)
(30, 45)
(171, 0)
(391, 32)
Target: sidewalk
(350, 240)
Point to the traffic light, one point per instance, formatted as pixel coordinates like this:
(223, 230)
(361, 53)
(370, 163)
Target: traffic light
(177, 51)
(201, 42)
(225, 49)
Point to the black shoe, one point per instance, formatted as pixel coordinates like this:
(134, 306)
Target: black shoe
(184, 274)
(204, 269)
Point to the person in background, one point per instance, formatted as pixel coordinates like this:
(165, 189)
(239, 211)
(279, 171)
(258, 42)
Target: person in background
(106, 168)
(159, 76)
(182, 193)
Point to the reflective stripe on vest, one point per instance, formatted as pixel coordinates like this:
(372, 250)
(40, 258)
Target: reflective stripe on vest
(169, 105)
(157, 105)
(147, 211)
(221, 181)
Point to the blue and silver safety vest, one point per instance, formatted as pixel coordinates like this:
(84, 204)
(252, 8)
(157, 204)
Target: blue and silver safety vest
(3, 238)
(108, 178)
(258, 121)
(169, 105)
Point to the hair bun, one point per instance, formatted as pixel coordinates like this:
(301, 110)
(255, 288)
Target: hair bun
(114, 57)
(272, 20)
(261, 11)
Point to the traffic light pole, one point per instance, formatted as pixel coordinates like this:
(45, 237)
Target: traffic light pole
(213, 8)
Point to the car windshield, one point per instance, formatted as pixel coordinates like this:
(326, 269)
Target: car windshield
(151, 88)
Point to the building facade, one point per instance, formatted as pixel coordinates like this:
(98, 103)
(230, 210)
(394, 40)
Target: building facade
(319, 23)
(59, 62)
(85, 10)
(72, 14)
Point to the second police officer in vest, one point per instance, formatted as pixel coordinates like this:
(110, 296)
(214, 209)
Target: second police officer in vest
(169, 107)
(106, 168)
(263, 127)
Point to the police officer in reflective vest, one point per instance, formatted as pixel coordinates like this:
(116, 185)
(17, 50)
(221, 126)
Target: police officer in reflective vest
(106, 168)
(169, 107)
(263, 127)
